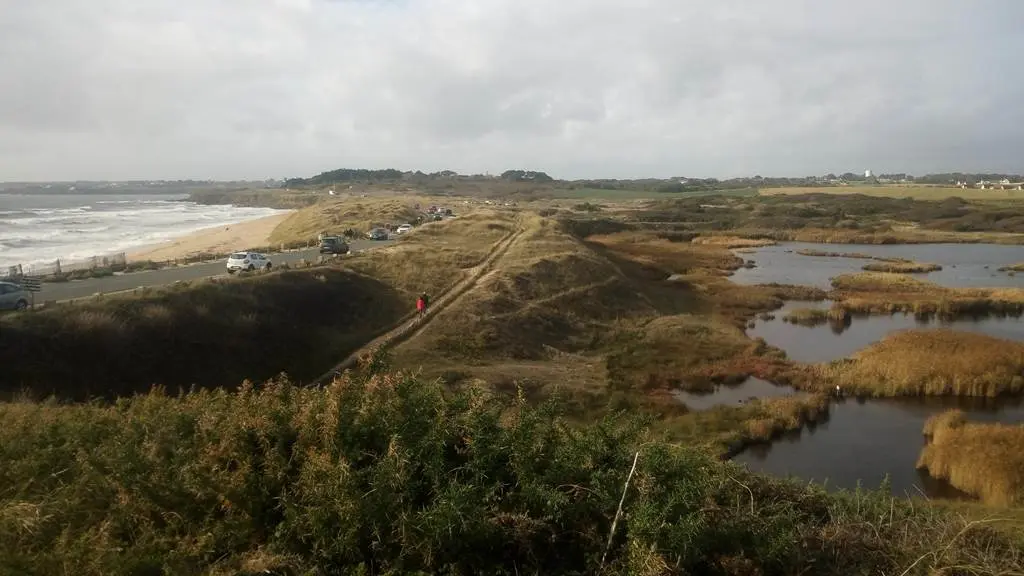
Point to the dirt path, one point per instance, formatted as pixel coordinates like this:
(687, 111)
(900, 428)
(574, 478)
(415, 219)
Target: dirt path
(413, 325)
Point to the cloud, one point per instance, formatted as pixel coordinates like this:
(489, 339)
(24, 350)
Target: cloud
(579, 88)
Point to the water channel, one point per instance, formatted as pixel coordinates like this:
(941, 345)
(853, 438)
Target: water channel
(863, 441)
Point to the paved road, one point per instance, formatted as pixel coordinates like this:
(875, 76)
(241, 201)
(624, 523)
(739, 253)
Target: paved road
(83, 288)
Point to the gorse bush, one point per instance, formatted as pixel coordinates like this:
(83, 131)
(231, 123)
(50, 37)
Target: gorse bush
(386, 474)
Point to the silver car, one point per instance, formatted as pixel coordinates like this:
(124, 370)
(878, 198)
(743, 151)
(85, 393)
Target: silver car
(13, 297)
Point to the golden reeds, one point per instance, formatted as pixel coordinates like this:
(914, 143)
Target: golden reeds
(984, 460)
(931, 362)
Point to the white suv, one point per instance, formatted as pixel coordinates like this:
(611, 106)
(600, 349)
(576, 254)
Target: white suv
(403, 229)
(247, 261)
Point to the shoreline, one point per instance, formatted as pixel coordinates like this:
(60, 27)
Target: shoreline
(215, 239)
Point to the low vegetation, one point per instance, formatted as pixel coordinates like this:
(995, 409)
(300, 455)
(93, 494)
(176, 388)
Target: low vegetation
(830, 218)
(383, 473)
(929, 362)
(887, 293)
(828, 254)
(902, 267)
(981, 459)
(433, 257)
(816, 316)
(1019, 267)
(902, 191)
(211, 333)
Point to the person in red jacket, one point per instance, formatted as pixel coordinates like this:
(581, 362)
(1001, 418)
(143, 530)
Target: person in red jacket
(421, 306)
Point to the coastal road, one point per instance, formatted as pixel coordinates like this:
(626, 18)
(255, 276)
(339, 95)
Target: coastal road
(88, 287)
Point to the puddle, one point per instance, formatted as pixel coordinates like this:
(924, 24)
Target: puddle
(867, 439)
(732, 395)
(963, 265)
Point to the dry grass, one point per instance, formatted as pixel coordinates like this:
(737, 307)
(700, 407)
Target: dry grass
(918, 192)
(732, 241)
(827, 254)
(902, 267)
(1019, 267)
(336, 216)
(435, 256)
(886, 293)
(930, 362)
(981, 459)
(786, 414)
(815, 316)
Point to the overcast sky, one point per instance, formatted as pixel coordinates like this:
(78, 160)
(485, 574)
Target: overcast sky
(119, 89)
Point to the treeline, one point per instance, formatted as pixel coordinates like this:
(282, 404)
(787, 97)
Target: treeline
(668, 185)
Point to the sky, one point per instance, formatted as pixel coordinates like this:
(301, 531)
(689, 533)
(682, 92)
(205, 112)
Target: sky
(230, 89)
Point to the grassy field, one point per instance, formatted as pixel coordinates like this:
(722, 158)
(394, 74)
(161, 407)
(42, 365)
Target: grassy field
(903, 191)
(981, 459)
(929, 362)
(385, 474)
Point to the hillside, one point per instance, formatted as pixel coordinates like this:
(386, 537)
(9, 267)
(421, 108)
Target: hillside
(213, 333)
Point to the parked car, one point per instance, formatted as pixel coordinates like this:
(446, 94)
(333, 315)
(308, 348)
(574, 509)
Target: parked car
(247, 261)
(13, 296)
(378, 234)
(403, 229)
(333, 245)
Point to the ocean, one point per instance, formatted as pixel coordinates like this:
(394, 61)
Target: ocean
(38, 229)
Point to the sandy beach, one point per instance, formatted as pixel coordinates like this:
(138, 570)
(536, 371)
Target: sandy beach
(218, 239)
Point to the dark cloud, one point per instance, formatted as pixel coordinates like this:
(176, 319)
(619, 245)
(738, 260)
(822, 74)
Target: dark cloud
(254, 88)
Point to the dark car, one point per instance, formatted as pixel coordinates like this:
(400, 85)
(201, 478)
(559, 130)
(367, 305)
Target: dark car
(333, 245)
(378, 234)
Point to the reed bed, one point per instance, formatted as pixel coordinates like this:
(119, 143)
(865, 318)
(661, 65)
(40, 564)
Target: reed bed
(934, 362)
(984, 460)
(902, 267)
(815, 316)
(887, 293)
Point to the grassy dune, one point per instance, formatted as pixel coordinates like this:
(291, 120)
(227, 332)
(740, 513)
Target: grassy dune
(435, 256)
(387, 474)
(930, 362)
(981, 459)
(337, 216)
(213, 333)
(886, 293)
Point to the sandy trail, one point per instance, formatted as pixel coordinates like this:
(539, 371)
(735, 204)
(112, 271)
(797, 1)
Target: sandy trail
(411, 325)
(217, 240)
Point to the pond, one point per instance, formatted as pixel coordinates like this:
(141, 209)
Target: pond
(867, 439)
(732, 395)
(963, 265)
(829, 342)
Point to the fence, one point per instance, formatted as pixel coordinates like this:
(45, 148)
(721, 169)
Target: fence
(58, 267)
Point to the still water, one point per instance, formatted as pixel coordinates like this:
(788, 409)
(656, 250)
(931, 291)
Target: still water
(865, 440)
(732, 395)
(963, 265)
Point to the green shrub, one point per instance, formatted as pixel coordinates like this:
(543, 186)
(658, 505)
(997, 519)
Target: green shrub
(385, 474)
